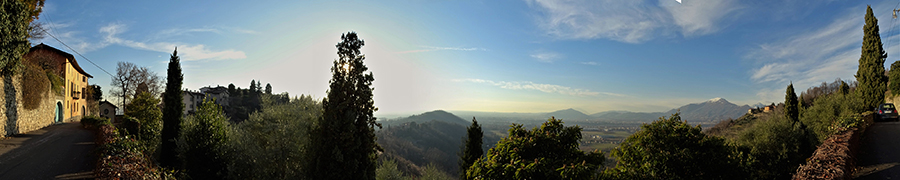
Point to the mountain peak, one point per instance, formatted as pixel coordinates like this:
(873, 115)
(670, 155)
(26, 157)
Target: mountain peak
(718, 99)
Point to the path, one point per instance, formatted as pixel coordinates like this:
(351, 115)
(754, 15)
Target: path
(61, 151)
(879, 152)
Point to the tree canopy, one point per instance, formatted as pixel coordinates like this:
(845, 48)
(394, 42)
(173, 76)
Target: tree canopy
(870, 75)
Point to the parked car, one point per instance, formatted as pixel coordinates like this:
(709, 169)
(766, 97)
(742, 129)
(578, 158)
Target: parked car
(886, 111)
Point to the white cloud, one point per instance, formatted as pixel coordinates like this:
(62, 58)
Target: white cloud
(631, 21)
(547, 57)
(592, 63)
(811, 57)
(547, 88)
(188, 52)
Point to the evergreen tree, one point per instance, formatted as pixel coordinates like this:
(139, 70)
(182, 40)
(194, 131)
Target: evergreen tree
(268, 88)
(870, 75)
(471, 150)
(231, 89)
(791, 111)
(252, 85)
(845, 88)
(344, 138)
(172, 112)
(894, 76)
(203, 143)
(14, 20)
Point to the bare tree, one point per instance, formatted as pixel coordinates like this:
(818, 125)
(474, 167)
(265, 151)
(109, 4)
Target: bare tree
(130, 79)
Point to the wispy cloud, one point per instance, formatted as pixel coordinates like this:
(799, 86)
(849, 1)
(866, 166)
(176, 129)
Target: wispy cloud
(592, 63)
(547, 57)
(547, 88)
(808, 58)
(631, 21)
(435, 48)
(188, 52)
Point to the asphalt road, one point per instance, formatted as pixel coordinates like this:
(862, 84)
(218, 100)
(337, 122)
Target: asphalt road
(879, 152)
(62, 151)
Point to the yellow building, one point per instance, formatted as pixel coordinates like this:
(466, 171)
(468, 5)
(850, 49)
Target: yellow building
(74, 103)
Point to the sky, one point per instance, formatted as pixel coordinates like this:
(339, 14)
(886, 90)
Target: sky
(487, 55)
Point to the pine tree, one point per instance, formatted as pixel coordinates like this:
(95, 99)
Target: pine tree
(268, 88)
(344, 138)
(471, 150)
(172, 112)
(894, 75)
(870, 75)
(791, 111)
(845, 88)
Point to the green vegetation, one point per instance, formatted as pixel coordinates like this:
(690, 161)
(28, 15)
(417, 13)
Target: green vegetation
(147, 122)
(548, 152)
(471, 149)
(36, 82)
(791, 109)
(14, 22)
(344, 138)
(870, 75)
(202, 144)
(894, 78)
(669, 148)
(174, 106)
(777, 147)
(273, 143)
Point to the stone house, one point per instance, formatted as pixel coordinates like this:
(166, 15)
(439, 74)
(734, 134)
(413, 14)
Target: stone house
(191, 100)
(108, 110)
(73, 105)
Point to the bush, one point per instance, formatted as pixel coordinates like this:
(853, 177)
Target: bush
(202, 143)
(669, 148)
(146, 122)
(777, 146)
(91, 122)
(548, 152)
(831, 113)
(272, 143)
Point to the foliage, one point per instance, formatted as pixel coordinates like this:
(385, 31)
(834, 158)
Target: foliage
(14, 20)
(870, 75)
(471, 149)
(387, 170)
(791, 111)
(36, 84)
(172, 117)
(432, 172)
(344, 138)
(810, 95)
(91, 122)
(828, 114)
(894, 75)
(669, 148)
(202, 144)
(120, 156)
(272, 143)
(144, 108)
(268, 88)
(546, 152)
(96, 93)
(777, 146)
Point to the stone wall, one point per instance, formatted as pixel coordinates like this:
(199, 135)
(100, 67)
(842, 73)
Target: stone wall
(15, 119)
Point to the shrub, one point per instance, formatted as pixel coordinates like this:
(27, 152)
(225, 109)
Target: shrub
(829, 112)
(91, 122)
(202, 143)
(669, 148)
(147, 122)
(777, 146)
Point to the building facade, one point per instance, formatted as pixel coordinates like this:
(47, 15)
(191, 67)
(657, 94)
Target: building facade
(74, 103)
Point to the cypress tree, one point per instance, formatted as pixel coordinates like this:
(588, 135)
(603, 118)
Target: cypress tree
(894, 75)
(172, 112)
(870, 75)
(268, 88)
(791, 111)
(343, 138)
(471, 149)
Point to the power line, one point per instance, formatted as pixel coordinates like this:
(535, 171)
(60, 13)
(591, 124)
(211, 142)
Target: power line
(70, 48)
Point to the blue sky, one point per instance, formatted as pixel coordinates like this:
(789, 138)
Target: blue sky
(504, 55)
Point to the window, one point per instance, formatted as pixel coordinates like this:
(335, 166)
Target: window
(105, 111)
(83, 79)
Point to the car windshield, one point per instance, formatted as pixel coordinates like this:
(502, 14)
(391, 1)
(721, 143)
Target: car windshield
(887, 106)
